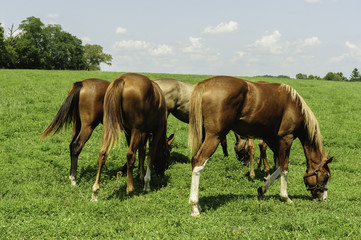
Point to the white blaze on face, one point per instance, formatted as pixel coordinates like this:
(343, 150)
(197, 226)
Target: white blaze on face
(323, 196)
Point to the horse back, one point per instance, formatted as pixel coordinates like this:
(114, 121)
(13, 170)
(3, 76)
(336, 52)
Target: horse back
(143, 103)
(91, 99)
(252, 109)
(177, 96)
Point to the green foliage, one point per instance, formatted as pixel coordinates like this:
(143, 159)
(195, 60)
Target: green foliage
(355, 75)
(301, 76)
(37, 201)
(49, 47)
(63, 50)
(94, 56)
(2, 47)
(333, 77)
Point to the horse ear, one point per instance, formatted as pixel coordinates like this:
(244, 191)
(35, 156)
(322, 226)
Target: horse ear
(329, 160)
(170, 139)
(327, 155)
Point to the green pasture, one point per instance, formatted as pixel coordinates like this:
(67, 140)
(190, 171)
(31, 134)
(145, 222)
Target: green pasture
(38, 202)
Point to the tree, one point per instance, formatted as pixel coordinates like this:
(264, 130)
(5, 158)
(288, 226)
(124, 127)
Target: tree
(94, 55)
(355, 75)
(333, 77)
(313, 77)
(62, 50)
(29, 46)
(301, 76)
(2, 47)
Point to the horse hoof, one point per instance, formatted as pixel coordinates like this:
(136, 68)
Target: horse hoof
(196, 215)
(266, 177)
(286, 200)
(72, 180)
(94, 198)
(260, 191)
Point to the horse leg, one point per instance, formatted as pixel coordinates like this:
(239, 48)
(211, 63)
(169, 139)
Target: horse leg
(101, 161)
(224, 146)
(284, 152)
(131, 154)
(251, 151)
(141, 156)
(198, 163)
(80, 136)
(263, 158)
(153, 144)
(238, 146)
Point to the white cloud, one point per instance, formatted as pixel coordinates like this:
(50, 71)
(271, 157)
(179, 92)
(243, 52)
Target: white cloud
(85, 39)
(52, 16)
(131, 45)
(229, 27)
(353, 48)
(198, 52)
(161, 50)
(269, 42)
(311, 42)
(354, 53)
(121, 30)
(149, 48)
(196, 45)
(313, 1)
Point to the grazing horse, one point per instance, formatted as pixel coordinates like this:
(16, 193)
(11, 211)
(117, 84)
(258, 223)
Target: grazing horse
(136, 105)
(177, 96)
(84, 108)
(245, 151)
(274, 112)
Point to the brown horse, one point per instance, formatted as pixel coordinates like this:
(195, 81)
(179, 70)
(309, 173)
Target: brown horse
(177, 96)
(136, 105)
(274, 112)
(245, 150)
(84, 108)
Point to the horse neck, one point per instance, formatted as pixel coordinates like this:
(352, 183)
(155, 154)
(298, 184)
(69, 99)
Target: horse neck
(313, 153)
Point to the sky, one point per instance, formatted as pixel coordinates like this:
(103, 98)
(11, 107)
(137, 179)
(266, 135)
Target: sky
(226, 37)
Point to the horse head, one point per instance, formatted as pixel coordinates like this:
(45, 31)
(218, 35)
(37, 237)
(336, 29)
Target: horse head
(317, 180)
(163, 155)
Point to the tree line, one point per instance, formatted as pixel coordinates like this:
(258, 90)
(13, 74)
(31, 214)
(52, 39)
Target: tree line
(36, 46)
(355, 76)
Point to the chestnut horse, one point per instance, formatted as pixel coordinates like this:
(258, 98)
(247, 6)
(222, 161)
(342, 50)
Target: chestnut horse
(177, 95)
(274, 112)
(245, 151)
(136, 105)
(84, 108)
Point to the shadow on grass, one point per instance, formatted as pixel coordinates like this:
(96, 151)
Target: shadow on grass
(156, 183)
(178, 158)
(214, 202)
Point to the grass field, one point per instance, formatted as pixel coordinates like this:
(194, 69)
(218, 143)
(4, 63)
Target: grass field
(38, 202)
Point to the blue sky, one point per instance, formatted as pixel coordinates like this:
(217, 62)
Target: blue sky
(230, 37)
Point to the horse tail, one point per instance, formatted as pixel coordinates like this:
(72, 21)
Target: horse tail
(310, 122)
(196, 119)
(68, 112)
(113, 117)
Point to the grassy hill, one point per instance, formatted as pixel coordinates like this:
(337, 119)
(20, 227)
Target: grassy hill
(38, 202)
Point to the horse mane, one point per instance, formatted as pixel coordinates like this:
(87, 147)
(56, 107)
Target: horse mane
(310, 121)
(113, 118)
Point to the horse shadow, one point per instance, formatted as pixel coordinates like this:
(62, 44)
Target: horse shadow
(156, 184)
(176, 157)
(214, 202)
(88, 173)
